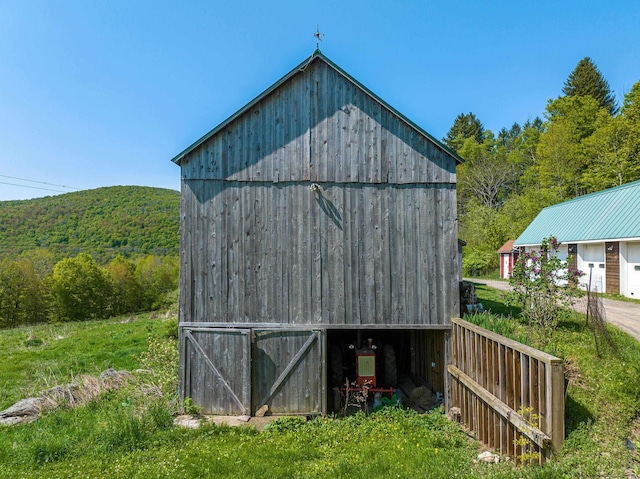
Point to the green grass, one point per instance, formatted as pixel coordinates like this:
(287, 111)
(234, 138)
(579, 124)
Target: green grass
(495, 301)
(37, 357)
(619, 297)
(390, 443)
(129, 432)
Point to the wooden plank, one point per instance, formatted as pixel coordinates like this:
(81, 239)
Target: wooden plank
(442, 273)
(322, 126)
(284, 211)
(296, 131)
(336, 139)
(430, 235)
(422, 255)
(376, 142)
(287, 135)
(555, 401)
(337, 253)
(367, 253)
(268, 145)
(305, 126)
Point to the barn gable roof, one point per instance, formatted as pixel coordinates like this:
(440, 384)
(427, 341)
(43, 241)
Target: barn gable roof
(317, 55)
(607, 215)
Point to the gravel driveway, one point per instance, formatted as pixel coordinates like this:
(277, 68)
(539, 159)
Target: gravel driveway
(624, 315)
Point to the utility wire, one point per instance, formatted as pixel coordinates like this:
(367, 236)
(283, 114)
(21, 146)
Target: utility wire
(40, 182)
(34, 187)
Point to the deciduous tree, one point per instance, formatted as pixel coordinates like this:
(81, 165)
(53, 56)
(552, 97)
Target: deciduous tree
(81, 289)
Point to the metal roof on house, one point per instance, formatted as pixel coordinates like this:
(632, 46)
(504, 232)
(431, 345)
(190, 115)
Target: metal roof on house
(606, 215)
(301, 67)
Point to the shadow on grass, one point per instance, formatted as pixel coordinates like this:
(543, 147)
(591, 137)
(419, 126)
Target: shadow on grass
(495, 300)
(574, 415)
(571, 326)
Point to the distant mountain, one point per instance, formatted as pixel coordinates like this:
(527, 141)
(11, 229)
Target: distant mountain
(103, 222)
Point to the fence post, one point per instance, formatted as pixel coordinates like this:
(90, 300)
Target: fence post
(555, 391)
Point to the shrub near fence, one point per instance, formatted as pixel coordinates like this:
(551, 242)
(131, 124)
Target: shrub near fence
(511, 396)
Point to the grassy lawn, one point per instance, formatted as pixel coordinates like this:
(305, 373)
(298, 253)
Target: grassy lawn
(129, 432)
(37, 357)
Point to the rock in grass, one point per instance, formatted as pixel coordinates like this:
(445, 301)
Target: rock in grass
(454, 414)
(25, 410)
(187, 421)
(262, 412)
(488, 457)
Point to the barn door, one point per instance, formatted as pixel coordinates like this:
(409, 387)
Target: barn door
(288, 373)
(216, 369)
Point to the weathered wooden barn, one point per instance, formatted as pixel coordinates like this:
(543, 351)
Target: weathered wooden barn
(314, 213)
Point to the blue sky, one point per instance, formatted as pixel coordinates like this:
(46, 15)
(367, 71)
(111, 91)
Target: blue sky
(100, 93)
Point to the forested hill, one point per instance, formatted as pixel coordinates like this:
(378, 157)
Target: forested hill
(103, 222)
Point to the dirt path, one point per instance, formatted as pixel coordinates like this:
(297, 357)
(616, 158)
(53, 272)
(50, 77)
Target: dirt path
(624, 315)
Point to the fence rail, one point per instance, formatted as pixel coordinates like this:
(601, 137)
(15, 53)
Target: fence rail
(506, 390)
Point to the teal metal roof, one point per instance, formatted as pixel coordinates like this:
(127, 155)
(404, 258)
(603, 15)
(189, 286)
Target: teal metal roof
(301, 67)
(606, 215)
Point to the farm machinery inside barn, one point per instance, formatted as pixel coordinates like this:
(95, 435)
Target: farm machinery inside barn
(371, 368)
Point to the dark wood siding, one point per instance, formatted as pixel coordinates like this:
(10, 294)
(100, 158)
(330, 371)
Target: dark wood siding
(612, 262)
(215, 369)
(321, 127)
(288, 371)
(346, 254)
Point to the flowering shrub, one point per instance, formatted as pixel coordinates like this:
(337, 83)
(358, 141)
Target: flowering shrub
(545, 287)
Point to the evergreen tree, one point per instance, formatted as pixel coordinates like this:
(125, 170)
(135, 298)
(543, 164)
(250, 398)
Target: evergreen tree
(465, 126)
(585, 80)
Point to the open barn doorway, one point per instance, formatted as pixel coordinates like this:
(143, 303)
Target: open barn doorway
(367, 367)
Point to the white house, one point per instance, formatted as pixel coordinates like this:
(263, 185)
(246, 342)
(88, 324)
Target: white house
(601, 231)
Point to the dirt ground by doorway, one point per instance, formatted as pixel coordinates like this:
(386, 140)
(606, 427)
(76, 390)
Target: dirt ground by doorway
(193, 422)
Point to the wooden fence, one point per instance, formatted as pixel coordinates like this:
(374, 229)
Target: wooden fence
(498, 384)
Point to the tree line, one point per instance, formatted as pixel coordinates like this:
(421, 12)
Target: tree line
(584, 143)
(125, 220)
(34, 288)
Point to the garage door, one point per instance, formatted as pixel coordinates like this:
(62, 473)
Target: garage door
(633, 269)
(593, 265)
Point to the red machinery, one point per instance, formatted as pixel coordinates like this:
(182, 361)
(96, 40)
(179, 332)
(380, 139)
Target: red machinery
(367, 362)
